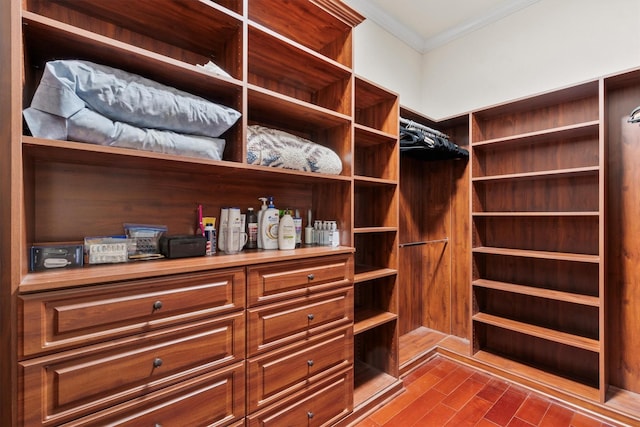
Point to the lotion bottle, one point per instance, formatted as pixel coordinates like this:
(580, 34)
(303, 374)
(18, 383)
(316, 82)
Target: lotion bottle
(269, 226)
(263, 208)
(286, 232)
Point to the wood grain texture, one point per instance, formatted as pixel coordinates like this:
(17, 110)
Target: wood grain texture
(623, 245)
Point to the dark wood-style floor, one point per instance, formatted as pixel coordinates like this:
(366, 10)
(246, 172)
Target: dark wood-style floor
(445, 393)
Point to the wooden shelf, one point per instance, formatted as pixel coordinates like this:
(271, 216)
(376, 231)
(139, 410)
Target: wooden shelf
(537, 331)
(366, 319)
(366, 136)
(66, 41)
(46, 280)
(364, 273)
(535, 214)
(561, 256)
(554, 173)
(83, 153)
(366, 181)
(298, 114)
(538, 292)
(369, 230)
(562, 132)
(534, 376)
(371, 382)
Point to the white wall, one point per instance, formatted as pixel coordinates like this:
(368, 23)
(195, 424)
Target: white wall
(384, 59)
(551, 44)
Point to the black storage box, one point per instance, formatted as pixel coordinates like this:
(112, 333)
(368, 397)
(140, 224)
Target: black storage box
(183, 246)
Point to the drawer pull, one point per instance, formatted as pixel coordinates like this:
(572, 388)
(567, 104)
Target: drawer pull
(157, 425)
(310, 362)
(157, 362)
(309, 414)
(157, 305)
(310, 316)
(311, 276)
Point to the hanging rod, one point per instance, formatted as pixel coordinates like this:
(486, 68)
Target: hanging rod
(411, 123)
(427, 242)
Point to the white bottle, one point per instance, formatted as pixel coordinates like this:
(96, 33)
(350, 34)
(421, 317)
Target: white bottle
(269, 226)
(260, 215)
(286, 232)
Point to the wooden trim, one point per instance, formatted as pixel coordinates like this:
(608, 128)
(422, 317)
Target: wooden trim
(341, 11)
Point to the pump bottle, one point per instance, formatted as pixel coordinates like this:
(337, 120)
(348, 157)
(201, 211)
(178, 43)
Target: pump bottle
(286, 232)
(269, 226)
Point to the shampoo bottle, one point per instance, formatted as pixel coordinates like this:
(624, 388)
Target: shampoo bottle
(269, 226)
(263, 208)
(286, 232)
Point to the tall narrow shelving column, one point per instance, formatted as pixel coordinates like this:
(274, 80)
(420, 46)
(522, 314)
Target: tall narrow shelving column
(538, 239)
(376, 241)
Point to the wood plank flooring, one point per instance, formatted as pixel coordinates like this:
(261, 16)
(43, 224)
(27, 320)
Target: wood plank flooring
(445, 393)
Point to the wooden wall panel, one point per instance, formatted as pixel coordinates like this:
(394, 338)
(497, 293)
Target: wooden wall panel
(623, 231)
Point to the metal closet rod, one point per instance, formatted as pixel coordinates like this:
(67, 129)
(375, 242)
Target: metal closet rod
(411, 123)
(426, 242)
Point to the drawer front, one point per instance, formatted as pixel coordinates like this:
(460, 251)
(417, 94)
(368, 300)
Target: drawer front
(278, 324)
(277, 281)
(293, 368)
(213, 399)
(85, 380)
(323, 405)
(68, 318)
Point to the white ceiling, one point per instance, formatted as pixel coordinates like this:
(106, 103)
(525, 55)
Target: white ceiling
(427, 24)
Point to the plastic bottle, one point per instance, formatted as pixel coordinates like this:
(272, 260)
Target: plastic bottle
(286, 232)
(297, 222)
(252, 229)
(269, 226)
(263, 208)
(210, 234)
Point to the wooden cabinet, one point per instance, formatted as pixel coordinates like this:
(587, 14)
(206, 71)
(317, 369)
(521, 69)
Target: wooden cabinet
(323, 405)
(143, 341)
(59, 320)
(434, 245)
(298, 338)
(215, 399)
(66, 385)
(376, 240)
(538, 173)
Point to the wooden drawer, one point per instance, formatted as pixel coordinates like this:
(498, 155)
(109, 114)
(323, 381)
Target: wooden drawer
(69, 318)
(322, 405)
(274, 325)
(293, 368)
(74, 383)
(277, 281)
(213, 399)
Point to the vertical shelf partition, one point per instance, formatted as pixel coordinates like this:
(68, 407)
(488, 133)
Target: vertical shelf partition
(537, 238)
(376, 240)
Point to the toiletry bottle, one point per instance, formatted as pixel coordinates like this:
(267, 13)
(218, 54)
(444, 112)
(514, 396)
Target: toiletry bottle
(269, 226)
(210, 234)
(252, 229)
(222, 234)
(308, 230)
(286, 232)
(334, 237)
(297, 221)
(263, 208)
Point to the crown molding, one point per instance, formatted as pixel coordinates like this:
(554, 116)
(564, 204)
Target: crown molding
(423, 45)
